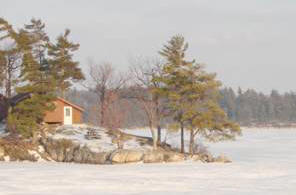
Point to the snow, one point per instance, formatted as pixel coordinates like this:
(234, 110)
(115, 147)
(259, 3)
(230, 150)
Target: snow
(263, 163)
(77, 134)
(36, 155)
(169, 137)
(2, 130)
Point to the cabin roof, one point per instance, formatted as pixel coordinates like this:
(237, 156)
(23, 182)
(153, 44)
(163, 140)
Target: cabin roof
(71, 104)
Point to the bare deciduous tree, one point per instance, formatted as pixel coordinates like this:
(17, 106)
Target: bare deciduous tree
(10, 63)
(115, 115)
(115, 111)
(144, 70)
(103, 79)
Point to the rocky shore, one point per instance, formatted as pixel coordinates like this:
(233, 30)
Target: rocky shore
(67, 151)
(68, 145)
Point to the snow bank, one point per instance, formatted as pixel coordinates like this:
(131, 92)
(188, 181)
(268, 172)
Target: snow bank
(77, 134)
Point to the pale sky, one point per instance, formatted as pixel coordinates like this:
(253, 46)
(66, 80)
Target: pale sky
(248, 43)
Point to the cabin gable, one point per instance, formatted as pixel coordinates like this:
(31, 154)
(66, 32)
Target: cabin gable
(62, 111)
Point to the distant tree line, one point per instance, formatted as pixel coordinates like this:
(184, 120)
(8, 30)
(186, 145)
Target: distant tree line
(248, 108)
(255, 108)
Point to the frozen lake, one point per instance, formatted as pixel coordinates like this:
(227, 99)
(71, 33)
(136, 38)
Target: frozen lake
(264, 163)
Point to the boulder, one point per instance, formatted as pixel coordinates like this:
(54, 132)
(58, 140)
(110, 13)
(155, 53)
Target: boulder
(100, 158)
(69, 152)
(207, 158)
(173, 157)
(195, 157)
(223, 159)
(2, 152)
(153, 157)
(126, 156)
(61, 150)
(53, 155)
(60, 154)
(134, 156)
(50, 148)
(118, 156)
(77, 156)
(87, 155)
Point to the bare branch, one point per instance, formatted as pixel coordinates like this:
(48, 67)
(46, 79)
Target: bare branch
(104, 80)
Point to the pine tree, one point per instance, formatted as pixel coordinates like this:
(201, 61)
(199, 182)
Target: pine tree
(193, 96)
(26, 117)
(64, 68)
(203, 116)
(29, 114)
(172, 80)
(36, 30)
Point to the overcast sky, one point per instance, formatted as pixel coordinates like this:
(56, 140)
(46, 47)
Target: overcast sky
(248, 43)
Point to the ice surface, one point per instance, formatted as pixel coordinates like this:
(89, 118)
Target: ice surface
(264, 163)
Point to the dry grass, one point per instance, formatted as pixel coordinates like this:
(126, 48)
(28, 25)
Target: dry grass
(17, 149)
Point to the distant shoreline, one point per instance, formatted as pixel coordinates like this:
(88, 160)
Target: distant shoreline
(286, 126)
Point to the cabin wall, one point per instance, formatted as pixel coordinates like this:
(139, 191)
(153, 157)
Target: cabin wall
(56, 116)
(77, 116)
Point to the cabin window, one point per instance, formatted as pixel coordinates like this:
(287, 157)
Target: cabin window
(68, 112)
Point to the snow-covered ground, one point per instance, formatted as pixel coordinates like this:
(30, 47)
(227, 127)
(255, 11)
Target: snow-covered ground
(264, 163)
(2, 130)
(77, 134)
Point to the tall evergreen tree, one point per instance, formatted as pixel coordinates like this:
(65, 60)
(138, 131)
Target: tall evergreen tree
(26, 117)
(64, 68)
(173, 78)
(193, 96)
(36, 29)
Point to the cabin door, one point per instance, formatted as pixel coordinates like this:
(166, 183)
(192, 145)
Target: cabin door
(68, 115)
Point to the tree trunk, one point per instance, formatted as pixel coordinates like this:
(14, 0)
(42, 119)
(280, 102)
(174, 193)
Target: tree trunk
(102, 115)
(35, 138)
(8, 84)
(11, 127)
(191, 142)
(158, 117)
(182, 137)
(102, 108)
(158, 134)
(154, 137)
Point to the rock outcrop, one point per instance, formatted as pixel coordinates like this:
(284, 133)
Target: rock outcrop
(62, 150)
(222, 159)
(173, 157)
(2, 152)
(154, 156)
(65, 150)
(126, 156)
(208, 158)
(15, 151)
